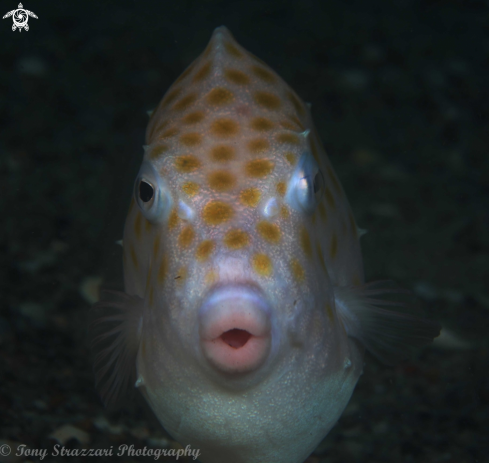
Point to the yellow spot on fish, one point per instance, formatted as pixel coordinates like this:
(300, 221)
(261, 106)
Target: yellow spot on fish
(186, 237)
(262, 265)
(173, 219)
(222, 153)
(204, 250)
(306, 243)
(217, 212)
(333, 246)
(290, 138)
(186, 163)
(287, 125)
(185, 102)
(267, 100)
(232, 50)
(221, 180)
(281, 188)
(236, 77)
(297, 270)
(269, 231)
(258, 145)
(211, 277)
(291, 159)
(259, 168)
(224, 127)
(263, 74)
(284, 212)
(261, 124)
(190, 188)
(193, 118)
(163, 270)
(203, 72)
(236, 239)
(158, 150)
(219, 96)
(250, 197)
(190, 139)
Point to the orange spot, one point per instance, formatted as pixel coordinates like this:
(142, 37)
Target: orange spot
(170, 97)
(281, 188)
(193, 118)
(219, 96)
(259, 168)
(250, 197)
(291, 158)
(190, 139)
(204, 250)
(158, 150)
(262, 265)
(186, 163)
(269, 231)
(186, 237)
(222, 153)
(284, 212)
(236, 239)
(267, 100)
(287, 125)
(190, 188)
(217, 212)
(185, 102)
(224, 127)
(236, 77)
(171, 132)
(221, 180)
(173, 219)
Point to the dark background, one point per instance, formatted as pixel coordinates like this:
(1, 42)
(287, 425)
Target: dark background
(399, 92)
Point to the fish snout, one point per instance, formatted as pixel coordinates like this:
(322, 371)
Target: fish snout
(235, 329)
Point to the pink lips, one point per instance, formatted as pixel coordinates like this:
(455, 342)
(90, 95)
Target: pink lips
(235, 329)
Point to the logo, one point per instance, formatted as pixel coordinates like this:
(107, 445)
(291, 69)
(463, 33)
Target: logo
(20, 17)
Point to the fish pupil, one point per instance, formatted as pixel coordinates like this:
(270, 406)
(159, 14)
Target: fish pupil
(146, 191)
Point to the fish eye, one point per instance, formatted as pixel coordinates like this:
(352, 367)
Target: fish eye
(152, 194)
(306, 185)
(146, 191)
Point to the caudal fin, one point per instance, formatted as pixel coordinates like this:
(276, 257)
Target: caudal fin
(115, 329)
(390, 329)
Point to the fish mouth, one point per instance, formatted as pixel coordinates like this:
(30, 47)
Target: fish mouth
(235, 328)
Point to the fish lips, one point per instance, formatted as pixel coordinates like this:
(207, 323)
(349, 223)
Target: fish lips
(235, 329)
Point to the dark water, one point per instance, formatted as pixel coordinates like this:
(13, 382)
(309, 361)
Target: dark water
(400, 96)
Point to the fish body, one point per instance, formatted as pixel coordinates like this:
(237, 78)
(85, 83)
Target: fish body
(245, 314)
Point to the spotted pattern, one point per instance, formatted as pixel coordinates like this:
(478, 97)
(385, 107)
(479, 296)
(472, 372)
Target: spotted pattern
(281, 188)
(157, 150)
(263, 74)
(204, 250)
(217, 212)
(269, 231)
(290, 138)
(219, 96)
(236, 77)
(224, 128)
(190, 188)
(186, 237)
(250, 197)
(258, 145)
(259, 168)
(203, 72)
(185, 102)
(267, 100)
(186, 163)
(193, 118)
(262, 124)
(236, 239)
(262, 265)
(222, 153)
(190, 139)
(232, 50)
(297, 270)
(221, 180)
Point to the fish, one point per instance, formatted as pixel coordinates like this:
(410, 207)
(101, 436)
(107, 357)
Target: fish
(245, 314)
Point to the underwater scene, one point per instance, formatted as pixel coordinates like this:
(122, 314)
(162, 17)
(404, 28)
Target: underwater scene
(244, 232)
